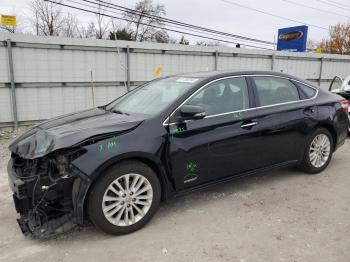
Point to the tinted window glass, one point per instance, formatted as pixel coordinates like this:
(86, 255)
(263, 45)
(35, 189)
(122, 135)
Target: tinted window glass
(222, 96)
(309, 92)
(336, 84)
(153, 97)
(274, 90)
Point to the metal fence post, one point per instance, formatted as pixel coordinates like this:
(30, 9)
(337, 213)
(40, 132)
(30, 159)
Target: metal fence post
(321, 71)
(12, 80)
(216, 60)
(128, 67)
(273, 57)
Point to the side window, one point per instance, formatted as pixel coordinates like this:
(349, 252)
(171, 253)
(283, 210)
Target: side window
(222, 96)
(275, 90)
(308, 92)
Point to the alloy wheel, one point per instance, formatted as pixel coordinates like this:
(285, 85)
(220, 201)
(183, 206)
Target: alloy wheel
(320, 150)
(127, 199)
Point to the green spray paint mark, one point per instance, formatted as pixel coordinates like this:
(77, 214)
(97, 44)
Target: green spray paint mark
(176, 130)
(237, 116)
(44, 147)
(191, 167)
(108, 145)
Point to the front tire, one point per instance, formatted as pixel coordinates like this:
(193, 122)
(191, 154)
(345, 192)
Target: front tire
(125, 198)
(318, 152)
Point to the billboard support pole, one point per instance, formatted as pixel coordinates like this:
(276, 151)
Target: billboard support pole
(12, 80)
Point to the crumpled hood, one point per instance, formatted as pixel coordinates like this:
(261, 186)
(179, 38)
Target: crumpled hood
(69, 130)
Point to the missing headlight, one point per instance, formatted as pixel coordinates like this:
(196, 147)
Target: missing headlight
(62, 165)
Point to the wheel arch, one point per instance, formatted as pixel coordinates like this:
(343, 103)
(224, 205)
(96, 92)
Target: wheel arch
(333, 132)
(149, 160)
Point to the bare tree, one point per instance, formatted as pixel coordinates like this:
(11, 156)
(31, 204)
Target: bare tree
(161, 36)
(143, 20)
(48, 18)
(339, 40)
(88, 31)
(70, 26)
(102, 26)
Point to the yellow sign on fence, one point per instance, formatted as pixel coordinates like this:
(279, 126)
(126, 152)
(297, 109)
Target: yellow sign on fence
(158, 71)
(8, 20)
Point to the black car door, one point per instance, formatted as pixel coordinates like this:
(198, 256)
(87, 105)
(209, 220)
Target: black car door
(221, 144)
(284, 114)
(336, 85)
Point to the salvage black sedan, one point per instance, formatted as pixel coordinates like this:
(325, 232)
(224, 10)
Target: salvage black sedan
(115, 163)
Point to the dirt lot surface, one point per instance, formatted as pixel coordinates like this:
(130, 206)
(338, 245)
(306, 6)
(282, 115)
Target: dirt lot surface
(278, 216)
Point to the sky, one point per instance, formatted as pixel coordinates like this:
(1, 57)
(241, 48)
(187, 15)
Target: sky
(224, 16)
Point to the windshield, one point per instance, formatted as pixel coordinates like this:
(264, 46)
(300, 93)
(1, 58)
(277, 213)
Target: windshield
(153, 97)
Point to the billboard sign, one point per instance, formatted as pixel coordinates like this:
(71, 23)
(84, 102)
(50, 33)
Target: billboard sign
(292, 39)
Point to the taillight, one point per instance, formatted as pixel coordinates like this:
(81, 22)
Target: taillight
(345, 105)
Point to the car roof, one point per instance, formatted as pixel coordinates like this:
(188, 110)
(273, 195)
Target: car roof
(212, 75)
(223, 73)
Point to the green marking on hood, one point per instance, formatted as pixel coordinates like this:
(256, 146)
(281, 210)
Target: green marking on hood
(108, 145)
(44, 147)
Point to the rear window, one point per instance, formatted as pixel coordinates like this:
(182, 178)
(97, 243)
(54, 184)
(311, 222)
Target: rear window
(307, 92)
(275, 90)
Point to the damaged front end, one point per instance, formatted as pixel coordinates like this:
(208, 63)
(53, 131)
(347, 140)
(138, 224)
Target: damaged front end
(49, 191)
(45, 191)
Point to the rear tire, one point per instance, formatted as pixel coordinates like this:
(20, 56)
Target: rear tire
(125, 198)
(318, 152)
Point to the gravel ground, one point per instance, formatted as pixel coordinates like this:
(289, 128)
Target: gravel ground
(278, 216)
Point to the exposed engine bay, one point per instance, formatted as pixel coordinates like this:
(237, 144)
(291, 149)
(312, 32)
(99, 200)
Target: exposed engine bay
(43, 191)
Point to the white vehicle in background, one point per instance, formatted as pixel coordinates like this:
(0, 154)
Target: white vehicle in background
(341, 87)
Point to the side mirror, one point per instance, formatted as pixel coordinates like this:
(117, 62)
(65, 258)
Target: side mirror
(188, 112)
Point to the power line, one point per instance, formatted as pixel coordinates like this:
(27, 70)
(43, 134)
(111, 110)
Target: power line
(169, 24)
(159, 27)
(171, 21)
(244, 44)
(315, 8)
(332, 4)
(270, 14)
(337, 3)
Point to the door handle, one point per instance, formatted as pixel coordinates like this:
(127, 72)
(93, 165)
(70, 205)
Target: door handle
(248, 125)
(309, 110)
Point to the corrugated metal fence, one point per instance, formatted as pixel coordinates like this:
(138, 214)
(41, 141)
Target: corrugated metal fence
(50, 76)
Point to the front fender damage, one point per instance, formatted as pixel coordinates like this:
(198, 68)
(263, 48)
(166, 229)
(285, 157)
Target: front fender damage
(46, 195)
(48, 192)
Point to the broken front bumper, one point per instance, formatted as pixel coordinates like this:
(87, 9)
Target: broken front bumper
(44, 206)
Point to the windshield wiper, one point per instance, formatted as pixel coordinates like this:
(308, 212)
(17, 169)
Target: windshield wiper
(119, 112)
